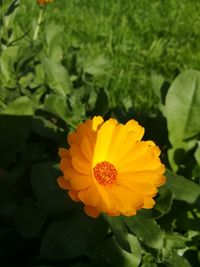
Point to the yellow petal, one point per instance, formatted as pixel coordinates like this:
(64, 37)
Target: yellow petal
(154, 177)
(148, 203)
(96, 122)
(65, 164)
(124, 199)
(91, 211)
(73, 195)
(118, 138)
(87, 148)
(63, 153)
(133, 126)
(90, 196)
(63, 183)
(104, 138)
(80, 181)
(144, 189)
(148, 161)
(81, 166)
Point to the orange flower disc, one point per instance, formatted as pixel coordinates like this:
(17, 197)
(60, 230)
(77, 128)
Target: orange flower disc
(110, 169)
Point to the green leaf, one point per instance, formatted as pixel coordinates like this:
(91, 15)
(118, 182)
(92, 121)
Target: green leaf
(102, 103)
(174, 240)
(177, 260)
(57, 105)
(119, 229)
(163, 205)
(182, 188)
(197, 154)
(57, 77)
(182, 107)
(29, 220)
(147, 230)
(135, 250)
(8, 59)
(96, 66)
(20, 106)
(113, 255)
(53, 199)
(47, 128)
(72, 237)
(53, 34)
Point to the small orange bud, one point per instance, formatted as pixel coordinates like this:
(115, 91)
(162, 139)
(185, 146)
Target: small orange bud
(44, 2)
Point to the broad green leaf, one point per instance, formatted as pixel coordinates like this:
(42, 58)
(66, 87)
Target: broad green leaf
(8, 59)
(57, 105)
(177, 260)
(29, 220)
(120, 231)
(175, 240)
(20, 106)
(72, 237)
(197, 154)
(147, 230)
(164, 202)
(148, 261)
(57, 77)
(44, 182)
(53, 34)
(182, 188)
(96, 66)
(135, 249)
(113, 255)
(182, 107)
(46, 128)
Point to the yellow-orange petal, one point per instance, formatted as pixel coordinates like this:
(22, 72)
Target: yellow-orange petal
(63, 183)
(135, 128)
(63, 153)
(148, 161)
(89, 196)
(65, 163)
(91, 211)
(87, 148)
(148, 203)
(81, 166)
(104, 138)
(153, 177)
(96, 122)
(133, 152)
(80, 182)
(73, 195)
(143, 189)
(124, 199)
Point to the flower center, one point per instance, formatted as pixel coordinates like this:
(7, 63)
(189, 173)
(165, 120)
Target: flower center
(105, 173)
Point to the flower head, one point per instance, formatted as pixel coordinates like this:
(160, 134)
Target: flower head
(44, 2)
(110, 169)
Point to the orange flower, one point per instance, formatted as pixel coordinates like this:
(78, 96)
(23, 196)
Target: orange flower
(44, 2)
(110, 169)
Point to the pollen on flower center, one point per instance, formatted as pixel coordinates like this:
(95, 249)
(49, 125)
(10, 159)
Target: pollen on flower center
(105, 173)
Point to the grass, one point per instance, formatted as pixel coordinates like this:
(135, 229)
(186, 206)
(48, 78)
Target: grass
(123, 44)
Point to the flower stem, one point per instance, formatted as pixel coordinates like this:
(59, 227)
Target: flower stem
(39, 21)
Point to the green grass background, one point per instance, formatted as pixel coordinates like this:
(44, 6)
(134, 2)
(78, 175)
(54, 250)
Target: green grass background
(128, 45)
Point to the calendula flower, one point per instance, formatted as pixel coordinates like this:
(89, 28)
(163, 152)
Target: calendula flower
(110, 169)
(44, 2)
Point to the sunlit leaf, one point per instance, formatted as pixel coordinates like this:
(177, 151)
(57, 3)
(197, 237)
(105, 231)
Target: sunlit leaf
(147, 230)
(182, 188)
